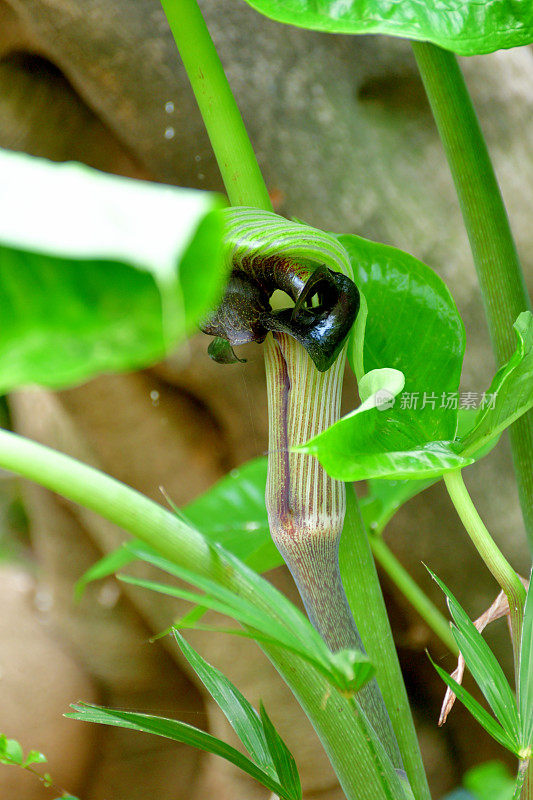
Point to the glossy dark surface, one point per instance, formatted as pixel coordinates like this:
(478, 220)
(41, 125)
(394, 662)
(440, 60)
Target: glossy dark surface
(245, 314)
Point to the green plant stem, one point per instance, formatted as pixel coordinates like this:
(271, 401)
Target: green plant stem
(234, 153)
(364, 595)
(339, 729)
(522, 779)
(244, 186)
(498, 268)
(490, 553)
(414, 594)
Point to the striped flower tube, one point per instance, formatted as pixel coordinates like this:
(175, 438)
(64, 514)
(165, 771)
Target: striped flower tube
(306, 507)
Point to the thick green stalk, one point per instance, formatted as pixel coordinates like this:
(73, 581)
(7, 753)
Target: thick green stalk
(364, 594)
(234, 153)
(343, 734)
(490, 553)
(413, 593)
(245, 186)
(495, 257)
(306, 507)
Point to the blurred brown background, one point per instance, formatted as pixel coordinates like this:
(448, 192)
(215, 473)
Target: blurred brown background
(346, 141)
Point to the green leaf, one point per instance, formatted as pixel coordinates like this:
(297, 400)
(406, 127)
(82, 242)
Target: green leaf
(10, 751)
(483, 665)
(466, 27)
(413, 327)
(34, 757)
(385, 497)
(98, 272)
(343, 453)
(233, 513)
(179, 732)
(525, 678)
(510, 394)
(282, 757)
(490, 781)
(289, 629)
(241, 715)
(264, 629)
(478, 712)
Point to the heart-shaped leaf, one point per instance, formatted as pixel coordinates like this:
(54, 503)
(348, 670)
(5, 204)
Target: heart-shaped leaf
(467, 27)
(98, 272)
(365, 444)
(413, 326)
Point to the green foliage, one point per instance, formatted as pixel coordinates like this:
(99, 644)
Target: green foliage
(525, 678)
(364, 445)
(466, 27)
(288, 628)
(413, 325)
(255, 731)
(11, 754)
(179, 732)
(233, 513)
(241, 715)
(388, 443)
(489, 781)
(511, 387)
(509, 729)
(110, 275)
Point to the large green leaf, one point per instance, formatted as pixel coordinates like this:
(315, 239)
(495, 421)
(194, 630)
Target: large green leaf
(467, 27)
(510, 394)
(233, 513)
(179, 732)
(413, 326)
(385, 497)
(364, 445)
(98, 272)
